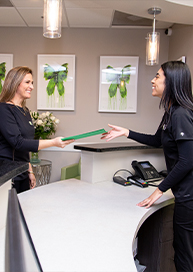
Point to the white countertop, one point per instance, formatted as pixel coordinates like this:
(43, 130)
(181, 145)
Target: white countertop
(84, 227)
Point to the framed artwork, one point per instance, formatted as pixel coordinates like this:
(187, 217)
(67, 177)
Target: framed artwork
(56, 82)
(6, 63)
(118, 84)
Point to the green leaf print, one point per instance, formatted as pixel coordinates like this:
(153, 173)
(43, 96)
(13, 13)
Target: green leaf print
(118, 77)
(112, 90)
(56, 78)
(2, 74)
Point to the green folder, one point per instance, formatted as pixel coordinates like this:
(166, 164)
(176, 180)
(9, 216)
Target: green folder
(84, 135)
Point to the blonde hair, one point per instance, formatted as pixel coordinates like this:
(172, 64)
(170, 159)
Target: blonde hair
(12, 82)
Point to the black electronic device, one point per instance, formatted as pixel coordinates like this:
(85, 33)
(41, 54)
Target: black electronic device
(146, 171)
(121, 180)
(138, 181)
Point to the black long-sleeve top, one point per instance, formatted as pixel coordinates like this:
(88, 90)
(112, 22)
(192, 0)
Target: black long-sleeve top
(16, 133)
(176, 137)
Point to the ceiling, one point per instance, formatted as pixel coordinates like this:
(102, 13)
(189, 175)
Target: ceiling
(99, 13)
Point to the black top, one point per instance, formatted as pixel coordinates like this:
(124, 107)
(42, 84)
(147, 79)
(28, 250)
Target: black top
(176, 137)
(16, 133)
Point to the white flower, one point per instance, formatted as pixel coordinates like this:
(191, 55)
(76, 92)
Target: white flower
(43, 115)
(46, 121)
(39, 122)
(52, 118)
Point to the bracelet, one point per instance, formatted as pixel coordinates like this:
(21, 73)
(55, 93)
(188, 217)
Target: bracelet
(31, 172)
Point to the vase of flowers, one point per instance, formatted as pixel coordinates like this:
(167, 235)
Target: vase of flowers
(45, 125)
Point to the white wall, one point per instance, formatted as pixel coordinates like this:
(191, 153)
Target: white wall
(88, 45)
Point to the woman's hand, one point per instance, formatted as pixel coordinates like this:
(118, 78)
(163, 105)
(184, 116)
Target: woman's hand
(59, 143)
(32, 180)
(115, 132)
(151, 199)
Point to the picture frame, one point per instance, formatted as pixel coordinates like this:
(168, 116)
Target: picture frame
(183, 59)
(118, 84)
(56, 82)
(6, 64)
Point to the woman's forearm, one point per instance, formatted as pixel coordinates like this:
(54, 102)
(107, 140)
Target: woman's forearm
(45, 144)
(53, 142)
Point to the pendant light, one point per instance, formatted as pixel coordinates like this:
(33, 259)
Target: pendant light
(52, 18)
(152, 41)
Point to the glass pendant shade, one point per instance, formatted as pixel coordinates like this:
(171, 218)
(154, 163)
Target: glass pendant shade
(52, 18)
(152, 48)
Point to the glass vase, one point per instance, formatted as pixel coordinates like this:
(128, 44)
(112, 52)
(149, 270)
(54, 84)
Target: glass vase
(35, 157)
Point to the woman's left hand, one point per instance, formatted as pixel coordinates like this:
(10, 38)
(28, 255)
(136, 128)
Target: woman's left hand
(59, 143)
(32, 180)
(151, 199)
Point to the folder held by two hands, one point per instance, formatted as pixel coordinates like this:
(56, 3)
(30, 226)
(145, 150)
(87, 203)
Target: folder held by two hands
(84, 135)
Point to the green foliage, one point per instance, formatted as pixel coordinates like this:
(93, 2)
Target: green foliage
(113, 90)
(123, 89)
(56, 78)
(51, 87)
(126, 73)
(119, 80)
(60, 87)
(2, 74)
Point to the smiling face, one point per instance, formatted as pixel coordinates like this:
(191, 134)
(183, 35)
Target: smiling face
(25, 87)
(158, 84)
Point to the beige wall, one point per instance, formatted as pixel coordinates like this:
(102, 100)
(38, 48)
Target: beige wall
(180, 44)
(88, 45)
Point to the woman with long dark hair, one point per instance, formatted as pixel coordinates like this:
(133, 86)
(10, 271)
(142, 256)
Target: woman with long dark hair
(172, 84)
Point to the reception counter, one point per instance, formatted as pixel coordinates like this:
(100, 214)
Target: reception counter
(101, 160)
(84, 227)
(8, 170)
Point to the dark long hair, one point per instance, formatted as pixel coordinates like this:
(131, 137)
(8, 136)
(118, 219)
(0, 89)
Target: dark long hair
(178, 86)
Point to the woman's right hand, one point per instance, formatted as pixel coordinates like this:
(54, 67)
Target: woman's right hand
(115, 132)
(151, 199)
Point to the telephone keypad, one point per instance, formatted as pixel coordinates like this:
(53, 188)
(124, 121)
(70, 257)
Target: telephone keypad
(152, 174)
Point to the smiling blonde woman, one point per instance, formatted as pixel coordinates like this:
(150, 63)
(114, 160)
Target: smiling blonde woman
(16, 128)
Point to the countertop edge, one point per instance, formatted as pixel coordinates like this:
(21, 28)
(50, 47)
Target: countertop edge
(17, 168)
(110, 148)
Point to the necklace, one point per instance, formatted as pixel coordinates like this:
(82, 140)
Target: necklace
(23, 112)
